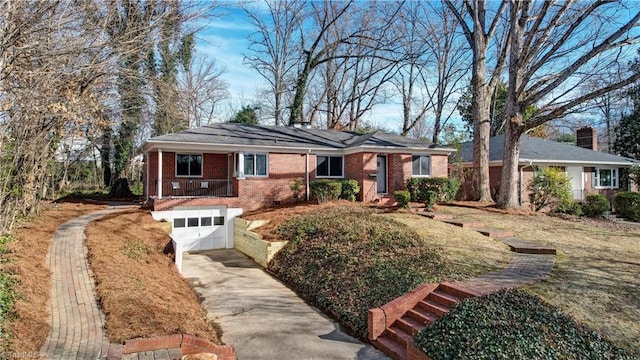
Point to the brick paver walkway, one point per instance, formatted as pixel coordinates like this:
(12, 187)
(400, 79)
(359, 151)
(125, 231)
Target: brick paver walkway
(523, 269)
(77, 324)
(531, 263)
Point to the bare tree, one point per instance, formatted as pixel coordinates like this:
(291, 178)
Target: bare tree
(60, 71)
(435, 67)
(201, 90)
(610, 108)
(480, 27)
(354, 77)
(274, 47)
(337, 27)
(52, 60)
(556, 48)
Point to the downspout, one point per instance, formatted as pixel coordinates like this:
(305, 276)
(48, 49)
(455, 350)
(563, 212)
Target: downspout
(306, 174)
(522, 182)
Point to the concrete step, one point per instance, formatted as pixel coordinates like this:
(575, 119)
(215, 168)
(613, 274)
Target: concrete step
(465, 223)
(390, 347)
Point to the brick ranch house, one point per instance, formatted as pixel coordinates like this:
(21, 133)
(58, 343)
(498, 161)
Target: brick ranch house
(199, 179)
(590, 171)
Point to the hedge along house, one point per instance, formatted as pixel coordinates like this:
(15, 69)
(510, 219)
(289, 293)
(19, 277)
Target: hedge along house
(590, 171)
(199, 179)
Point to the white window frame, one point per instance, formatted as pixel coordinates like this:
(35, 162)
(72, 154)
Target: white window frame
(190, 176)
(244, 161)
(341, 176)
(615, 178)
(430, 166)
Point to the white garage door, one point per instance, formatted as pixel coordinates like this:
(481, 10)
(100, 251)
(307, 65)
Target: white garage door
(200, 229)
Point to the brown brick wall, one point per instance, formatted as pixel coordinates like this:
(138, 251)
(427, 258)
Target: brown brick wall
(439, 166)
(399, 171)
(256, 192)
(360, 167)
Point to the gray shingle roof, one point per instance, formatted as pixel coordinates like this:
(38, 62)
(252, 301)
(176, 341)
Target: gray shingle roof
(287, 137)
(543, 150)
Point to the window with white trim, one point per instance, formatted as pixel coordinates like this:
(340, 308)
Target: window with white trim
(605, 178)
(255, 164)
(189, 164)
(421, 165)
(329, 166)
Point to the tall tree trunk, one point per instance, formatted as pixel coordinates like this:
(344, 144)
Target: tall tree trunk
(481, 126)
(105, 158)
(514, 114)
(278, 103)
(508, 197)
(297, 113)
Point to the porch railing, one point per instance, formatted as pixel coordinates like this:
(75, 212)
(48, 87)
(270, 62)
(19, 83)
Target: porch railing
(578, 195)
(197, 187)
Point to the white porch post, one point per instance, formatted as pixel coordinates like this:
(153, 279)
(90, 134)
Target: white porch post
(240, 165)
(159, 174)
(146, 176)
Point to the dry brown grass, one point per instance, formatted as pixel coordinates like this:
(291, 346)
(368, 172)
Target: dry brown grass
(469, 250)
(26, 259)
(141, 292)
(597, 274)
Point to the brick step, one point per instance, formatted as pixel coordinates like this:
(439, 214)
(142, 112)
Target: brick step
(457, 290)
(391, 348)
(410, 325)
(493, 233)
(433, 307)
(443, 298)
(524, 247)
(422, 315)
(399, 335)
(465, 223)
(436, 216)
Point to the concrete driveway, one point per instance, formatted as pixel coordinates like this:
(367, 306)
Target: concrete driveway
(263, 318)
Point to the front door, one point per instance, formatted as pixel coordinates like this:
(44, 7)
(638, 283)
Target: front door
(575, 173)
(381, 174)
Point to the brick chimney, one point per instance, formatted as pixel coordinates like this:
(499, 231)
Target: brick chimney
(587, 137)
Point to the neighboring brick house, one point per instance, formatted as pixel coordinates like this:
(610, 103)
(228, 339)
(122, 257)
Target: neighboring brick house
(590, 171)
(231, 168)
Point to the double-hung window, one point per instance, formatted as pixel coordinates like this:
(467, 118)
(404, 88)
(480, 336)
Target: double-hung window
(255, 164)
(329, 166)
(421, 165)
(605, 178)
(188, 164)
